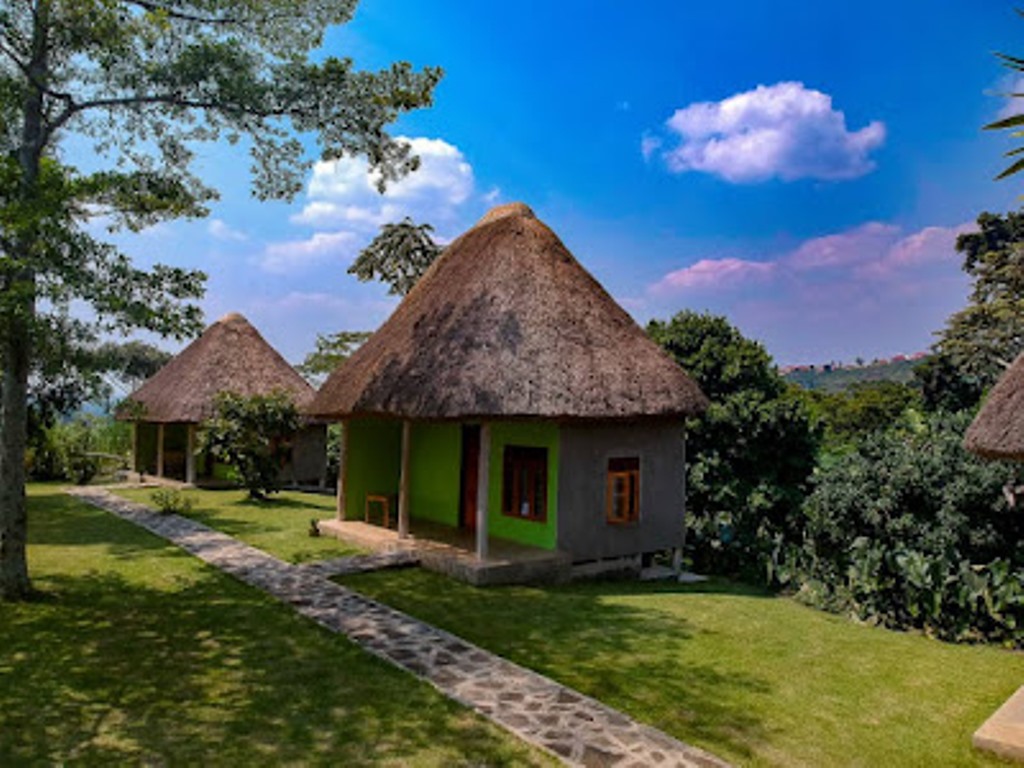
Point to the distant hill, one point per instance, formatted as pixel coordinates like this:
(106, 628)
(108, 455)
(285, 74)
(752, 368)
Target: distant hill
(835, 377)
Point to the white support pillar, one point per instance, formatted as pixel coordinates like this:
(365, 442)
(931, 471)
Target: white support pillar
(160, 450)
(403, 482)
(342, 471)
(482, 489)
(190, 454)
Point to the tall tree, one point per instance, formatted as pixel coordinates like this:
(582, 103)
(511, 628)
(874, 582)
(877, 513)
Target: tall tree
(983, 338)
(146, 81)
(332, 350)
(398, 256)
(750, 456)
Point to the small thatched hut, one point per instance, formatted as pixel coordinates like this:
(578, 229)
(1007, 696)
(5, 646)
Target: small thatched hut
(230, 356)
(510, 394)
(997, 432)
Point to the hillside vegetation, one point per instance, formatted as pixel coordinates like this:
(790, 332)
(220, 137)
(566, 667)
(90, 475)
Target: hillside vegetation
(835, 378)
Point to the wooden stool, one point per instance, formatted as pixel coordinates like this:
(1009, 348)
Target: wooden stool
(385, 503)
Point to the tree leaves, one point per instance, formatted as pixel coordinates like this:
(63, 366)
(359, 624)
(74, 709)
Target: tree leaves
(399, 256)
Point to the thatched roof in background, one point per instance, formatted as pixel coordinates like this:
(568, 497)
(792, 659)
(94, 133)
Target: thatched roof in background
(997, 432)
(508, 324)
(230, 356)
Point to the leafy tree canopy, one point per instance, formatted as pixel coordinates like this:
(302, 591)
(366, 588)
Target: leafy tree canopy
(398, 256)
(251, 435)
(332, 350)
(147, 82)
(982, 339)
(749, 456)
(864, 407)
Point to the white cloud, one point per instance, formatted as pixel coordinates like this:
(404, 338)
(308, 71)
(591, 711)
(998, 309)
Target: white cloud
(343, 192)
(785, 131)
(296, 255)
(220, 230)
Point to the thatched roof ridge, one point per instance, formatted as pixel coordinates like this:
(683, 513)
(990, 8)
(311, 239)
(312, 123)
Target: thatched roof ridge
(230, 356)
(997, 432)
(507, 324)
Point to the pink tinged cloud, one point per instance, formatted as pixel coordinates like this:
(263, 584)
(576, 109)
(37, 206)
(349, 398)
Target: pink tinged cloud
(870, 290)
(711, 274)
(784, 130)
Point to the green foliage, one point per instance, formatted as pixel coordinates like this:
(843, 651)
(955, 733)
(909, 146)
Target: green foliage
(1013, 123)
(836, 378)
(331, 351)
(251, 435)
(861, 409)
(981, 340)
(68, 450)
(911, 530)
(398, 256)
(944, 386)
(171, 501)
(749, 456)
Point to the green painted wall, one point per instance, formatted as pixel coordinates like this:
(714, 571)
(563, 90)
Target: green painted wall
(374, 461)
(435, 461)
(536, 434)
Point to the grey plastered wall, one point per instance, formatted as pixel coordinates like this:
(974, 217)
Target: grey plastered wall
(584, 450)
(309, 455)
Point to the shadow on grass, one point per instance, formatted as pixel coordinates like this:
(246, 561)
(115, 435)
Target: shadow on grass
(611, 651)
(211, 672)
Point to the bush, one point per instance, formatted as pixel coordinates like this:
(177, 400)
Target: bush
(912, 531)
(171, 501)
(252, 435)
(65, 451)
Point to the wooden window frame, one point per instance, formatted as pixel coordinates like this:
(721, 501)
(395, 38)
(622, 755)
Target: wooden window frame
(627, 470)
(525, 468)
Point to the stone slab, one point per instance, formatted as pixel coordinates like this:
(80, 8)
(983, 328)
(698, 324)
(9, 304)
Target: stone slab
(1003, 733)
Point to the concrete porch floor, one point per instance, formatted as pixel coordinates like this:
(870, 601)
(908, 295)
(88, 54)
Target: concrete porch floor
(452, 551)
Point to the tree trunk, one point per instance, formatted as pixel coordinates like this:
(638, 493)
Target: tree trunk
(14, 582)
(19, 321)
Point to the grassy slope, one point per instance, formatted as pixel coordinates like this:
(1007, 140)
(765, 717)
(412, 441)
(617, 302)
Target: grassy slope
(757, 679)
(279, 526)
(139, 653)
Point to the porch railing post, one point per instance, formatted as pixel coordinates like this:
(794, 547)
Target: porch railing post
(483, 486)
(160, 449)
(403, 482)
(342, 471)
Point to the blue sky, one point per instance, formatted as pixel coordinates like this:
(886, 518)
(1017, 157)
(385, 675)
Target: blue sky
(802, 168)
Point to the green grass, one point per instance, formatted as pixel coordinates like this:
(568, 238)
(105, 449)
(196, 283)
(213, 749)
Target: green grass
(138, 653)
(279, 525)
(756, 679)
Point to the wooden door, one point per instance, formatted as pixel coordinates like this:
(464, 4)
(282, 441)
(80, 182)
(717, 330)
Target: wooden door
(469, 476)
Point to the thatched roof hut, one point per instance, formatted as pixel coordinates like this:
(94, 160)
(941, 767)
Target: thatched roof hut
(507, 324)
(231, 356)
(997, 432)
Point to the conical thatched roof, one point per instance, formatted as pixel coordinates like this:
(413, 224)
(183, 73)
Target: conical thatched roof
(230, 356)
(508, 324)
(997, 432)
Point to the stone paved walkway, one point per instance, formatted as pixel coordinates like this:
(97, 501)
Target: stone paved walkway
(577, 729)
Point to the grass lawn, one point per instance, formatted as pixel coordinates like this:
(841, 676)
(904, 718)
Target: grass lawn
(140, 654)
(756, 679)
(279, 525)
